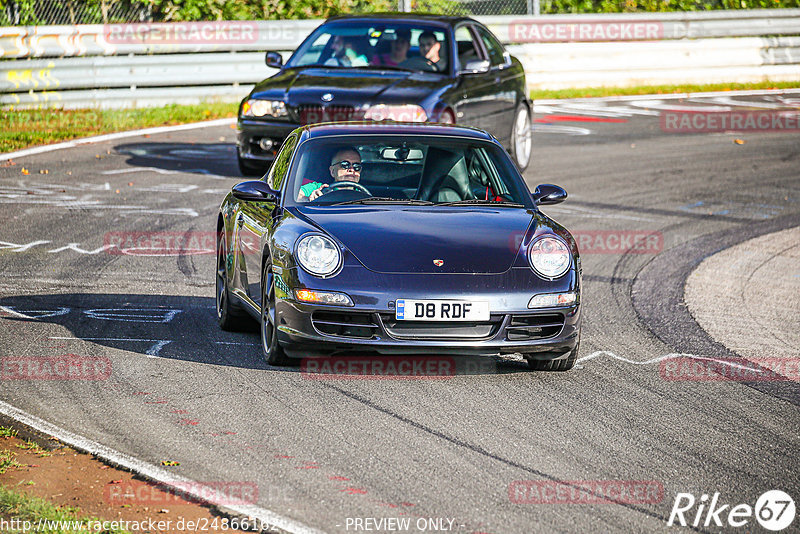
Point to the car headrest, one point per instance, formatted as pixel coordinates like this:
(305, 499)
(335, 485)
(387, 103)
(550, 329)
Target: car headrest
(442, 165)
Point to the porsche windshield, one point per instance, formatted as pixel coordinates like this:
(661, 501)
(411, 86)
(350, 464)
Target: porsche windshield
(374, 45)
(405, 170)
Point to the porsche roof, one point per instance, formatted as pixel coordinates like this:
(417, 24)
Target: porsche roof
(326, 129)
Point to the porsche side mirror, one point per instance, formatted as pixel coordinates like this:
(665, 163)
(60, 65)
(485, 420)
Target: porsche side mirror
(274, 60)
(549, 194)
(255, 191)
(477, 66)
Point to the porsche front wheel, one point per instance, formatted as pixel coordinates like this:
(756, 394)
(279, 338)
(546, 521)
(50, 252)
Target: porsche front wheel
(564, 364)
(273, 352)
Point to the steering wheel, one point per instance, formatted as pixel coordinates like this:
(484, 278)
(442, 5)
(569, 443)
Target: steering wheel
(336, 186)
(419, 63)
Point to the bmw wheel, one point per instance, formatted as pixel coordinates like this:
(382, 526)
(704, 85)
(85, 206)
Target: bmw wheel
(447, 117)
(249, 169)
(522, 137)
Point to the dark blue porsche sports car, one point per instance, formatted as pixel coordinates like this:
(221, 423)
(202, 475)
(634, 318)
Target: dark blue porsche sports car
(398, 238)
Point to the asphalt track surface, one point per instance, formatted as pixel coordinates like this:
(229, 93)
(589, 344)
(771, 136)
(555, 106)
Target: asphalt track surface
(325, 451)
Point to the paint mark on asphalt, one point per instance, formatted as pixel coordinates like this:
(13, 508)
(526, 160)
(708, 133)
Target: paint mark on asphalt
(34, 314)
(134, 315)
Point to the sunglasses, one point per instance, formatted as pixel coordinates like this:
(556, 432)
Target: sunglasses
(344, 164)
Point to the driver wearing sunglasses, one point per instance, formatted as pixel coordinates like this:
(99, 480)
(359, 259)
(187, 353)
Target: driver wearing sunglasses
(345, 167)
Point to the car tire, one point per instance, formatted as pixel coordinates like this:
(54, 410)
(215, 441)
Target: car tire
(564, 364)
(249, 169)
(447, 117)
(270, 346)
(522, 137)
(230, 315)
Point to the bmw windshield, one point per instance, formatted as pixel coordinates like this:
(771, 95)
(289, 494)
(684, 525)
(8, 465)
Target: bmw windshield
(375, 45)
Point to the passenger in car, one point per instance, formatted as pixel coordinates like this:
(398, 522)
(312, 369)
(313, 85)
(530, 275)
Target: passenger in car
(429, 48)
(399, 50)
(345, 54)
(345, 167)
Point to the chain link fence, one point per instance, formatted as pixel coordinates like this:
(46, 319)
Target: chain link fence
(51, 12)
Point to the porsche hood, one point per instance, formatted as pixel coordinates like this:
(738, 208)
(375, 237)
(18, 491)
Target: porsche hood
(427, 240)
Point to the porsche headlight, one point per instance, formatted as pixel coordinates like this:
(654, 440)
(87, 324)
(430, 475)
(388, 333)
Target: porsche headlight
(396, 112)
(549, 257)
(318, 255)
(259, 108)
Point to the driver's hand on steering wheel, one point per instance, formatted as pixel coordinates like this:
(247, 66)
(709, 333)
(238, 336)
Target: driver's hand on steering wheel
(315, 194)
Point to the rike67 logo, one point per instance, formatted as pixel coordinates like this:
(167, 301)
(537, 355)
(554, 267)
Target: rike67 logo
(774, 510)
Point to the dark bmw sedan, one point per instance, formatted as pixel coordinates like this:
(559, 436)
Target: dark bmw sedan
(450, 70)
(398, 238)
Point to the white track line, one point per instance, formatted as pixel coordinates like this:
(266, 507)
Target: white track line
(669, 356)
(113, 136)
(629, 98)
(181, 484)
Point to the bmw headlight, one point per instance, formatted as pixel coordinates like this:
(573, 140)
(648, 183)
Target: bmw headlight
(549, 257)
(318, 255)
(260, 108)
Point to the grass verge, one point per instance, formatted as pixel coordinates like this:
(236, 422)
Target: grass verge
(21, 513)
(591, 92)
(63, 520)
(6, 461)
(26, 128)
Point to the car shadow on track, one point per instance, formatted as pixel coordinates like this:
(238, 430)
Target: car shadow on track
(210, 159)
(159, 326)
(185, 328)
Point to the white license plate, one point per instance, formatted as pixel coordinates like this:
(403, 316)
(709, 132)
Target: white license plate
(441, 310)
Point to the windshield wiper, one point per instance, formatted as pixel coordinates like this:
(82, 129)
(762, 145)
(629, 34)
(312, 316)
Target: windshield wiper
(379, 200)
(359, 67)
(482, 202)
(383, 67)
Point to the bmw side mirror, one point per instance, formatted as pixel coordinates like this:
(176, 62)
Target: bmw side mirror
(549, 194)
(274, 60)
(477, 66)
(255, 191)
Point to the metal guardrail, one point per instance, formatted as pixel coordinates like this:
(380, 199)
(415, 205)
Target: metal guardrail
(20, 42)
(189, 37)
(131, 65)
